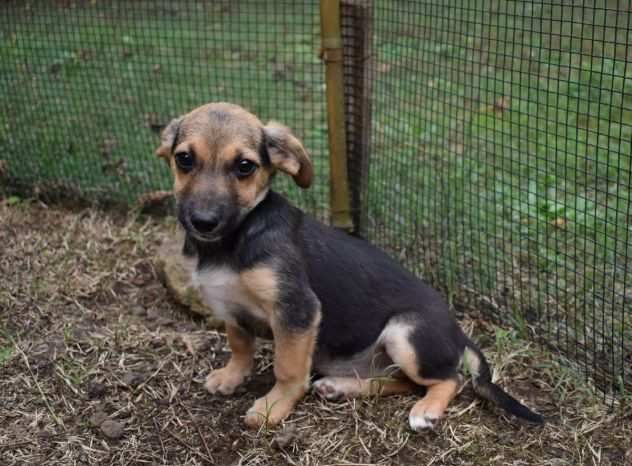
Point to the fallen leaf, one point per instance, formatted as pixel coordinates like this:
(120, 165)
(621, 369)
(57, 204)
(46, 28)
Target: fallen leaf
(559, 222)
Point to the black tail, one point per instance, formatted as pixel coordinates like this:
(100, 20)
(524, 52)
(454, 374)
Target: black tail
(485, 388)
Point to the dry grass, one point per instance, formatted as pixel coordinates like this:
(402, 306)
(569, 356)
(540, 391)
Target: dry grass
(88, 333)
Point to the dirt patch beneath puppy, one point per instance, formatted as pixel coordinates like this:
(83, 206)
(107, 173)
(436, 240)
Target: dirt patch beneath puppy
(99, 365)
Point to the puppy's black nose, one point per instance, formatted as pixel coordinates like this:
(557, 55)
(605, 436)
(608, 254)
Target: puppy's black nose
(205, 222)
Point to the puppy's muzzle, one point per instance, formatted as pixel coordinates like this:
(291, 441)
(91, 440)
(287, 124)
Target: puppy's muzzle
(205, 223)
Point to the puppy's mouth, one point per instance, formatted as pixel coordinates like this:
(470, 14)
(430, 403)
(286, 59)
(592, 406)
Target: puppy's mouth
(204, 238)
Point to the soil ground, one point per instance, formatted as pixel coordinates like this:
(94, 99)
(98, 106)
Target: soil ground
(98, 365)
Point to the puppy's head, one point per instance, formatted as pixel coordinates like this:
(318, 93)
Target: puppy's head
(223, 159)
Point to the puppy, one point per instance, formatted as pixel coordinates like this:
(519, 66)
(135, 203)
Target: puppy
(333, 304)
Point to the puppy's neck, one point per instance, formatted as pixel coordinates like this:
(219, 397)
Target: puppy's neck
(253, 224)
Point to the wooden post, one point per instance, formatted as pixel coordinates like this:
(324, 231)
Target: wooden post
(331, 54)
(357, 27)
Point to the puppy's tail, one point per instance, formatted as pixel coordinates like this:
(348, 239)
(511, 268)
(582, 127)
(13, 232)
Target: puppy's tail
(486, 389)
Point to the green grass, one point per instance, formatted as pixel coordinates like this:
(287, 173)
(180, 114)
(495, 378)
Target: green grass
(505, 130)
(5, 354)
(82, 85)
(501, 133)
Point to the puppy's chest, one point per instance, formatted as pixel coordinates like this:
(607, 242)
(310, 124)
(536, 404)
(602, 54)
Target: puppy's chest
(224, 291)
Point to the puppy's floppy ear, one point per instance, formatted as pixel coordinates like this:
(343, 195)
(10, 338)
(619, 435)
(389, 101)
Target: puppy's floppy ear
(168, 139)
(288, 154)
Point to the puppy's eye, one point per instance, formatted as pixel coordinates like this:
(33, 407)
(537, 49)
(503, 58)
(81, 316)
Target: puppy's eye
(185, 161)
(245, 168)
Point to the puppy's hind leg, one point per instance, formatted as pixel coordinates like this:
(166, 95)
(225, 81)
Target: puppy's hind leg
(429, 359)
(332, 388)
(432, 406)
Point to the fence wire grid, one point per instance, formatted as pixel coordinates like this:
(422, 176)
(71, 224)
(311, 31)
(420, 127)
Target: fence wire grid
(87, 85)
(489, 142)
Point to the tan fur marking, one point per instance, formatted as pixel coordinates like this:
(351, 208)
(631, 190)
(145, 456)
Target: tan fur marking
(166, 139)
(335, 387)
(239, 366)
(217, 133)
(203, 179)
(263, 285)
(242, 347)
(222, 287)
(163, 151)
(398, 347)
(292, 364)
(395, 340)
(179, 181)
(227, 155)
(288, 154)
(250, 190)
(433, 405)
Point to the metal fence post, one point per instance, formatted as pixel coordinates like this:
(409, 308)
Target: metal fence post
(356, 22)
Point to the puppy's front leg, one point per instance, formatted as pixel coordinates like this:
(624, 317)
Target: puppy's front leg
(242, 347)
(293, 350)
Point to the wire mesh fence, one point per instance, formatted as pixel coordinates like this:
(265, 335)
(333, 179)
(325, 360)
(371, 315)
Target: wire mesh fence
(489, 141)
(87, 84)
(500, 164)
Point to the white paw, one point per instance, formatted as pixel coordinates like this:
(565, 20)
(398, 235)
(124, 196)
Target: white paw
(420, 422)
(328, 388)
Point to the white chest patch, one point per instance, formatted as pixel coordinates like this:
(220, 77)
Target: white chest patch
(223, 291)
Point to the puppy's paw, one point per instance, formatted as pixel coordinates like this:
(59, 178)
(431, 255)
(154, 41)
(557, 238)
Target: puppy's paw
(275, 406)
(329, 388)
(424, 415)
(224, 380)
(420, 422)
(270, 413)
(255, 419)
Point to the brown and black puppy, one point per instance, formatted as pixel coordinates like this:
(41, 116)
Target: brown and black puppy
(333, 304)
